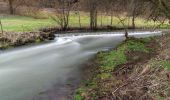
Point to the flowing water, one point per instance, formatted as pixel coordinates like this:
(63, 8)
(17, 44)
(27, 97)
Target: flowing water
(29, 71)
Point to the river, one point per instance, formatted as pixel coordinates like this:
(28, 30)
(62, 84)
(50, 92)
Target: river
(26, 73)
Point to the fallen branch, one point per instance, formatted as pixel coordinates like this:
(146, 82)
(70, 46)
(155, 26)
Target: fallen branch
(128, 82)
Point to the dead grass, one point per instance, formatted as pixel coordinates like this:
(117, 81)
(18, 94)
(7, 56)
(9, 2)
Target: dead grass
(142, 79)
(149, 80)
(10, 40)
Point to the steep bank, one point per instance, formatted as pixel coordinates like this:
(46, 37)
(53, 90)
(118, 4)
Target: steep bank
(138, 69)
(11, 39)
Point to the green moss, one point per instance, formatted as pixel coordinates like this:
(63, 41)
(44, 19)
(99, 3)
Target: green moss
(78, 96)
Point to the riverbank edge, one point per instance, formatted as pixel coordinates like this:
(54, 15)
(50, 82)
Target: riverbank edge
(15, 39)
(106, 83)
(98, 29)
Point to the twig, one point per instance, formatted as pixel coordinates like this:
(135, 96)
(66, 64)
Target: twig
(161, 23)
(128, 82)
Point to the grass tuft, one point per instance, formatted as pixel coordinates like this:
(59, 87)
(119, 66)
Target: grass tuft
(139, 46)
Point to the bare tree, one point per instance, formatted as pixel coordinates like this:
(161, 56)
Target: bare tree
(11, 8)
(120, 8)
(159, 10)
(77, 7)
(63, 8)
(91, 7)
(162, 6)
(14, 4)
(93, 13)
(79, 19)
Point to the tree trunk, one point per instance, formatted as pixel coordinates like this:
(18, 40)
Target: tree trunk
(111, 23)
(1, 27)
(79, 19)
(91, 19)
(93, 16)
(133, 17)
(95, 23)
(11, 9)
(133, 22)
(101, 23)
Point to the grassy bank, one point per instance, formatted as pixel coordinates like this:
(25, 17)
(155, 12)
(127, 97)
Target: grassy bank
(137, 68)
(22, 23)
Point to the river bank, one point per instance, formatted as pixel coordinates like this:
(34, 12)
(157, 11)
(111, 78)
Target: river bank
(137, 68)
(50, 70)
(15, 39)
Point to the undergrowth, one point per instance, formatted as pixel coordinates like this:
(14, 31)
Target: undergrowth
(107, 61)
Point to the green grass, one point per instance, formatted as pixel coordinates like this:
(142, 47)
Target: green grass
(166, 64)
(113, 58)
(22, 23)
(107, 61)
(137, 46)
(85, 20)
